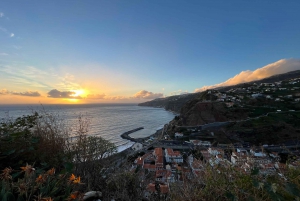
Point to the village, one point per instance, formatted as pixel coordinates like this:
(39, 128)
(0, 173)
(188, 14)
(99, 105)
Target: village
(160, 168)
(168, 159)
(282, 91)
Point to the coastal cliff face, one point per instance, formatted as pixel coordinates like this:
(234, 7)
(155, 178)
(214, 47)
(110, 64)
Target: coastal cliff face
(196, 112)
(172, 103)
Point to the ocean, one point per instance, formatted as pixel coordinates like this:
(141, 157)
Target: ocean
(106, 120)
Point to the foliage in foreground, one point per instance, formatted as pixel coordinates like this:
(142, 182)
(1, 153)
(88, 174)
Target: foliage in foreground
(231, 184)
(37, 184)
(46, 141)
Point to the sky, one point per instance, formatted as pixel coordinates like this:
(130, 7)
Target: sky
(90, 51)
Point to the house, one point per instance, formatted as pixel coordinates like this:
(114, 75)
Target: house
(275, 156)
(267, 168)
(257, 152)
(215, 151)
(281, 167)
(255, 160)
(159, 158)
(268, 97)
(206, 155)
(164, 188)
(238, 158)
(150, 167)
(256, 95)
(178, 135)
(173, 156)
(241, 150)
(146, 158)
(297, 99)
(164, 176)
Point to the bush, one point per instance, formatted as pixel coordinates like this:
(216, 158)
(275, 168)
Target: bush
(36, 184)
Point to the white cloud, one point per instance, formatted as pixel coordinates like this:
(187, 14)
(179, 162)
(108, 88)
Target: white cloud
(1, 14)
(143, 94)
(278, 67)
(3, 54)
(12, 35)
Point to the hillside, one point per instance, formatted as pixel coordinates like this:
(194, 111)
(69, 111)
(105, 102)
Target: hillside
(172, 103)
(175, 103)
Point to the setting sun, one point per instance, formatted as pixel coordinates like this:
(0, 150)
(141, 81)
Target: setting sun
(79, 93)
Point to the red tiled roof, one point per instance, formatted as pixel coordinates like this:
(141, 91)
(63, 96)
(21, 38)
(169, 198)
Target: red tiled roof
(165, 173)
(158, 151)
(160, 159)
(164, 188)
(197, 164)
(149, 166)
(173, 153)
(151, 187)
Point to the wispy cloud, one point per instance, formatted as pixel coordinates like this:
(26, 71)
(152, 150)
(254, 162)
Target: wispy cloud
(54, 93)
(67, 82)
(26, 93)
(4, 30)
(25, 76)
(281, 66)
(3, 54)
(1, 14)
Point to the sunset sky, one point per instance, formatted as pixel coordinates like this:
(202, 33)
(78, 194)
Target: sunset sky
(133, 51)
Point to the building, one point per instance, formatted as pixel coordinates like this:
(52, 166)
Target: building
(173, 156)
(215, 151)
(178, 135)
(238, 158)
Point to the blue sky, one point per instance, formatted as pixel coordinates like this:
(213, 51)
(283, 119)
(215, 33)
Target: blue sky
(119, 48)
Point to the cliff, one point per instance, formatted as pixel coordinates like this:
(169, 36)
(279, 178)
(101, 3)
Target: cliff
(172, 103)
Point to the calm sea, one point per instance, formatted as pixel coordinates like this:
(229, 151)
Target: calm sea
(106, 120)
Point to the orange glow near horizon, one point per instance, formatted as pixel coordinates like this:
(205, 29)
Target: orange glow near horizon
(79, 92)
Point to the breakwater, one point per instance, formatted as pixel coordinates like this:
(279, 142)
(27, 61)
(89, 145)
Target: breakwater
(127, 137)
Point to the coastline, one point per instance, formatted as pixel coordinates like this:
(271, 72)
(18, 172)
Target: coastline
(128, 150)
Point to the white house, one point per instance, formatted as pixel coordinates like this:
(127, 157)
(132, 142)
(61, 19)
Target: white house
(215, 151)
(173, 156)
(178, 135)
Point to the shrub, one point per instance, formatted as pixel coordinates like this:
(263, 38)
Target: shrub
(36, 184)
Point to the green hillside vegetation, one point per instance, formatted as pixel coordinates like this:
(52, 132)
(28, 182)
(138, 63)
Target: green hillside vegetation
(272, 129)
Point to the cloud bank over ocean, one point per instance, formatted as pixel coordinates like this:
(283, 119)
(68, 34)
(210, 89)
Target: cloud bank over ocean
(278, 67)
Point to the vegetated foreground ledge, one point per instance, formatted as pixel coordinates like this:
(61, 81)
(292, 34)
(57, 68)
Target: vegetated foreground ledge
(127, 137)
